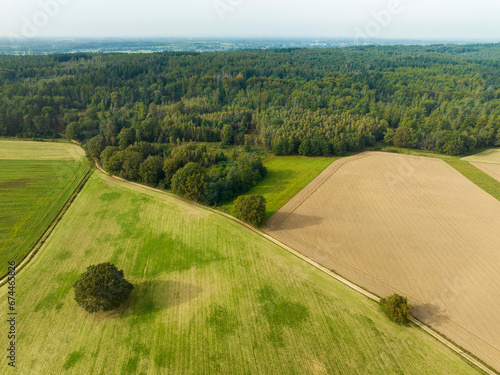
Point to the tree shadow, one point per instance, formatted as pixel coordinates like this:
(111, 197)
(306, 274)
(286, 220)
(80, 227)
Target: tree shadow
(430, 314)
(151, 297)
(293, 221)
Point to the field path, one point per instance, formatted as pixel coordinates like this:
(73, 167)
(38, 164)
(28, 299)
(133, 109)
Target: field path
(323, 177)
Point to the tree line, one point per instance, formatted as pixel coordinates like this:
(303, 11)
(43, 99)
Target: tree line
(294, 101)
(191, 170)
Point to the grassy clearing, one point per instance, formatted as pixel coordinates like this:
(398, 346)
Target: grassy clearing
(287, 175)
(210, 297)
(31, 194)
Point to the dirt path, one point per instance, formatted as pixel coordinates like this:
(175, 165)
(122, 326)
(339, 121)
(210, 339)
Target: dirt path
(337, 277)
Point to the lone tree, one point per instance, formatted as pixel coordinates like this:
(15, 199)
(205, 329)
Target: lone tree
(397, 307)
(102, 288)
(251, 208)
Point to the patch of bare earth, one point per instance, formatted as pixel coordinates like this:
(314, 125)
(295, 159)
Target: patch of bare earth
(409, 225)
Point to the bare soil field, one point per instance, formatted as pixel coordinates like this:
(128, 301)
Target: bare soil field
(491, 156)
(409, 225)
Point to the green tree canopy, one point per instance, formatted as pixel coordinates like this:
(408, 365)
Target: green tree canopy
(227, 135)
(94, 147)
(151, 170)
(397, 307)
(190, 181)
(131, 165)
(102, 288)
(251, 209)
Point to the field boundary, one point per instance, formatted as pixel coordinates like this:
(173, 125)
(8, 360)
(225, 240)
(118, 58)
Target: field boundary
(319, 181)
(45, 235)
(334, 275)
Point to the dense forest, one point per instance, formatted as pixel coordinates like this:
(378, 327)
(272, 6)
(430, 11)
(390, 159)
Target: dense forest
(139, 114)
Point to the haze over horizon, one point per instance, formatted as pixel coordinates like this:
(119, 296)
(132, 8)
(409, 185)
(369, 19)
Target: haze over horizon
(374, 19)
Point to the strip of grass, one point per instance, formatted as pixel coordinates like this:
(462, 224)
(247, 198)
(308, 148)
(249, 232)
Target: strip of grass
(210, 297)
(287, 175)
(477, 176)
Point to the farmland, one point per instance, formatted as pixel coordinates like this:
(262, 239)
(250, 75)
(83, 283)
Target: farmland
(489, 162)
(409, 225)
(28, 150)
(286, 177)
(210, 297)
(491, 156)
(492, 170)
(37, 179)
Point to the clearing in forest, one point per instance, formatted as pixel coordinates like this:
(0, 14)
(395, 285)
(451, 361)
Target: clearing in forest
(409, 225)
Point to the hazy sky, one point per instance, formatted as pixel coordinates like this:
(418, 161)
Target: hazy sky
(422, 19)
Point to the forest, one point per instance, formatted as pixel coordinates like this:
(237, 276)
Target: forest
(148, 116)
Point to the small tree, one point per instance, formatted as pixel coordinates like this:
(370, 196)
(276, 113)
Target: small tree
(94, 147)
(251, 209)
(102, 288)
(151, 170)
(190, 181)
(397, 307)
(403, 137)
(227, 135)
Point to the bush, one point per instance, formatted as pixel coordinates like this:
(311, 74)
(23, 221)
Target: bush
(251, 209)
(102, 288)
(397, 307)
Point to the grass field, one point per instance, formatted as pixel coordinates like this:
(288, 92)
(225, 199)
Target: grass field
(210, 297)
(32, 191)
(408, 225)
(287, 175)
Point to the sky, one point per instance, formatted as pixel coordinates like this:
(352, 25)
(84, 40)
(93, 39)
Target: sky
(357, 19)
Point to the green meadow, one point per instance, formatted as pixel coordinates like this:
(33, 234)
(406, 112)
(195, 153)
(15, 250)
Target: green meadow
(287, 175)
(210, 297)
(36, 179)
